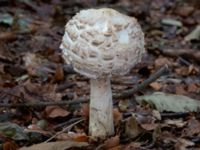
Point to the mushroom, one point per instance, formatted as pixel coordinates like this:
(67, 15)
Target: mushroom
(100, 43)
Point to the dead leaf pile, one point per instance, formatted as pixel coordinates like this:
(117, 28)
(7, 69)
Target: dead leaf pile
(164, 115)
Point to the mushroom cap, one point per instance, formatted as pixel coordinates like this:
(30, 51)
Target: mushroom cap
(102, 42)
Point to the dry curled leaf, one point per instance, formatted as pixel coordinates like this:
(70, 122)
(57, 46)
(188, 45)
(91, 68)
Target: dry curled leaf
(9, 145)
(123, 105)
(56, 111)
(183, 144)
(85, 110)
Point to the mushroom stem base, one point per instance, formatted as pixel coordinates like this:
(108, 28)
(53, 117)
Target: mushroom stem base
(101, 108)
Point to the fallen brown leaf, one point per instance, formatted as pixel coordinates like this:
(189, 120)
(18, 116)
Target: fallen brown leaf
(132, 128)
(192, 88)
(185, 11)
(161, 61)
(85, 110)
(183, 144)
(115, 148)
(2, 68)
(72, 136)
(156, 86)
(6, 54)
(45, 92)
(192, 70)
(123, 105)
(149, 126)
(81, 138)
(192, 128)
(181, 89)
(7, 36)
(133, 146)
(60, 145)
(175, 122)
(56, 111)
(183, 71)
(9, 145)
(59, 74)
(112, 142)
(117, 116)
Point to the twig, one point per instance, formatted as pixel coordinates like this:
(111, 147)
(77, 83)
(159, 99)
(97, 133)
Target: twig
(64, 129)
(185, 53)
(68, 69)
(101, 146)
(66, 123)
(128, 93)
(125, 94)
(163, 115)
(34, 104)
(175, 115)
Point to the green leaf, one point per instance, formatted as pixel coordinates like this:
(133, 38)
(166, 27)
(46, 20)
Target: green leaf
(23, 25)
(13, 131)
(170, 102)
(42, 124)
(6, 19)
(194, 35)
(171, 22)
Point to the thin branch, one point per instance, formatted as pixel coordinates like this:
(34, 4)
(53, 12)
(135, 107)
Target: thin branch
(175, 115)
(192, 54)
(125, 94)
(34, 104)
(163, 115)
(64, 129)
(67, 123)
(152, 78)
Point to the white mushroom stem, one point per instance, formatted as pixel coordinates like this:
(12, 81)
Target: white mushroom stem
(101, 108)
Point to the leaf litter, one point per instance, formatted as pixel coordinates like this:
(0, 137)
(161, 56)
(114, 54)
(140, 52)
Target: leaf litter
(32, 70)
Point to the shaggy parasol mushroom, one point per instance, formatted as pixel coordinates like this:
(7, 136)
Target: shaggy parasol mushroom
(100, 43)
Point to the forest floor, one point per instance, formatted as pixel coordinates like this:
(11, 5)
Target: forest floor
(43, 102)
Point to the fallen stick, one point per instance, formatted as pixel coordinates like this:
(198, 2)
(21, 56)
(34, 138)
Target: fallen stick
(64, 129)
(185, 53)
(125, 94)
(34, 104)
(163, 115)
(152, 78)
